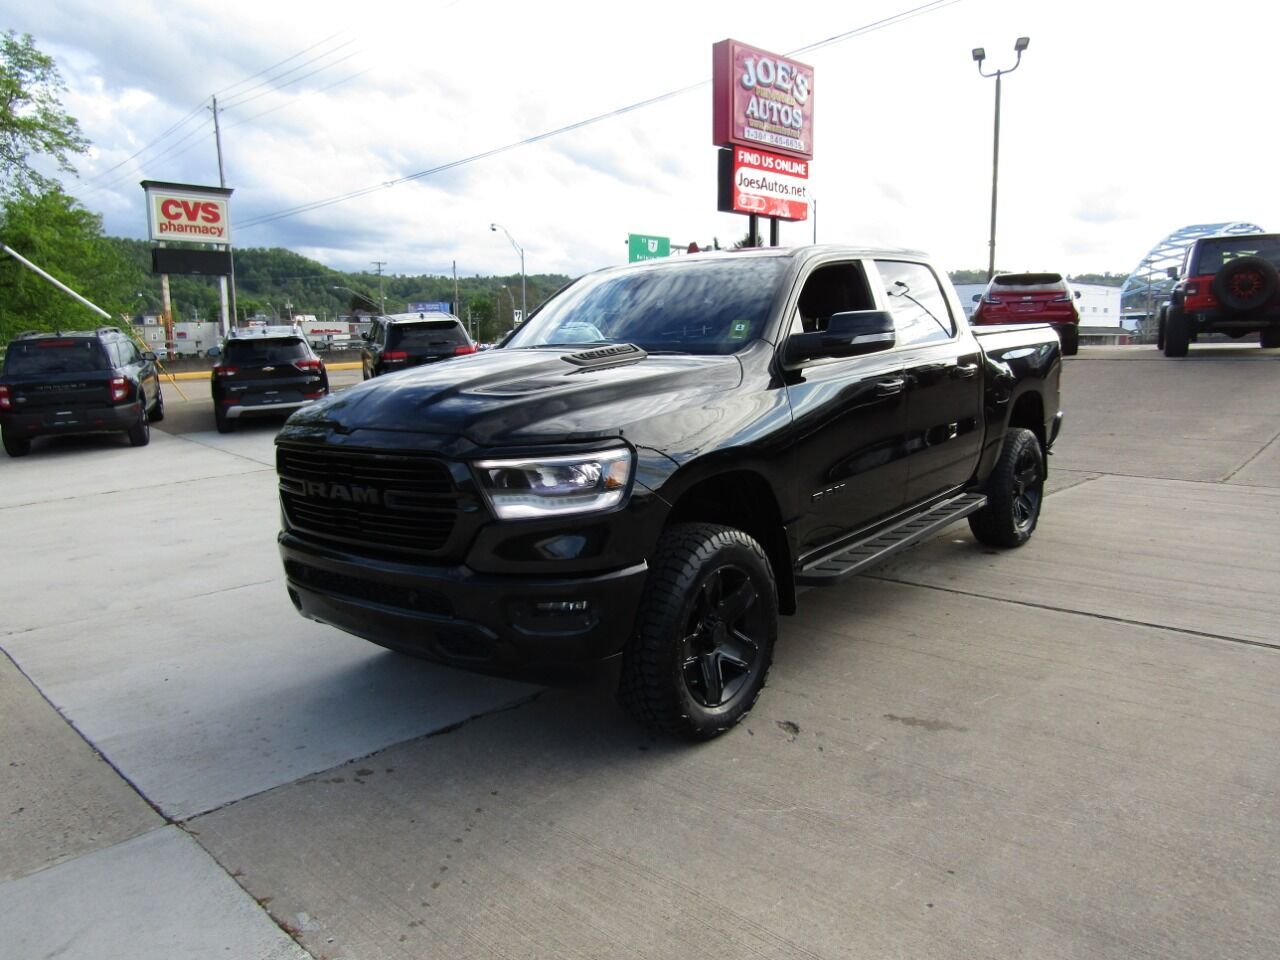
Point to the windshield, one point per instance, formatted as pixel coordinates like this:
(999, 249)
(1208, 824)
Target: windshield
(275, 350)
(708, 307)
(35, 357)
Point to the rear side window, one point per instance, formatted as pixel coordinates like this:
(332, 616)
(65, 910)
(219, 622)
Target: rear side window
(919, 307)
(27, 358)
(267, 350)
(429, 333)
(1215, 254)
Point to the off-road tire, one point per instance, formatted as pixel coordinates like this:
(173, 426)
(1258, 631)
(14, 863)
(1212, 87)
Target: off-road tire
(224, 423)
(1245, 284)
(157, 409)
(1160, 328)
(15, 446)
(661, 685)
(1015, 492)
(1177, 332)
(1270, 338)
(140, 433)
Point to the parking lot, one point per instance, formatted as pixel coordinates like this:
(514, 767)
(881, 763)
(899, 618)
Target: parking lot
(1067, 751)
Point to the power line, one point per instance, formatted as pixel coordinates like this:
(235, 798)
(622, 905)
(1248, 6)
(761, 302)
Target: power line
(295, 56)
(269, 85)
(931, 7)
(103, 173)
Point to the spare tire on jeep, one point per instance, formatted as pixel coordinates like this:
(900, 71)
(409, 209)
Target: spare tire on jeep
(1245, 283)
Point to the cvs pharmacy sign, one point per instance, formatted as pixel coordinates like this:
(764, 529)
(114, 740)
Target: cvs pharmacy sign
(194, 214)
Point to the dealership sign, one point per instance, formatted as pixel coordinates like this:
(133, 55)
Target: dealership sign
(767, 184)
(183, 211)
(760, 99)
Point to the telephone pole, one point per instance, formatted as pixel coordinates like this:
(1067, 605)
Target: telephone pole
(228, 298)
(381, 296)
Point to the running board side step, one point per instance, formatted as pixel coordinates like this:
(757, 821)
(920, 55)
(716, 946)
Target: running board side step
(849, 560)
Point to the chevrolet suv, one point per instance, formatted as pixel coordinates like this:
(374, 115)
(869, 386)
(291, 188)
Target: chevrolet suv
(85, 381)
(1226, 285)
(408, 340)
(265, 370)
(1032, 298)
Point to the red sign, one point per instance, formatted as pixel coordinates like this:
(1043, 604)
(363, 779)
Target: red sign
(760, 99)
(767, 184)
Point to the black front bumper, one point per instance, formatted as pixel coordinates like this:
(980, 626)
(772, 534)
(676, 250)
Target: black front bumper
(502, 624)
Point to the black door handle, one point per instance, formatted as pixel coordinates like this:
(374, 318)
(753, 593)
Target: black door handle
(965, 370)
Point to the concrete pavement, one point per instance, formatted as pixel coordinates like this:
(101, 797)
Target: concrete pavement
(1065, 751)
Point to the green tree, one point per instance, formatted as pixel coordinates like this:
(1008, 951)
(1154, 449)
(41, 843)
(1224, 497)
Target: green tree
(32, 120)
(54, 232)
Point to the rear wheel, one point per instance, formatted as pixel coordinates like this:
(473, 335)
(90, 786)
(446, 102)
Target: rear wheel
(224, 423)
(1015, 491)
(140, 432)
(1271, 338)
(704, 634)
(14, 446)
(1160, 327)
(1177, 332)
(1070, 336)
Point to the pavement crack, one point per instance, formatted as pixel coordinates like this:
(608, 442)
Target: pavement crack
(1267, 645)
(230, 453)
(1261, 450)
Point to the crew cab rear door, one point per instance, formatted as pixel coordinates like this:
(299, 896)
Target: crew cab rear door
(942, 363)
(849, 419)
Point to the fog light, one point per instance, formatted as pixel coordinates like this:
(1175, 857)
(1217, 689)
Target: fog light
(558, 607)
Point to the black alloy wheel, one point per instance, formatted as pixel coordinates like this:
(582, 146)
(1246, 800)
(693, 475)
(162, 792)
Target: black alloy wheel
(157, 409)
(1015, 493)
(704, 633)
(14, 446)
(140, 433)
(720, 647)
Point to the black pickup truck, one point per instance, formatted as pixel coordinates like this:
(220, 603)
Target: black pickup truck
(655, 463)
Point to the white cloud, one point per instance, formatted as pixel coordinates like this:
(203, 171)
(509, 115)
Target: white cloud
(1103, 151)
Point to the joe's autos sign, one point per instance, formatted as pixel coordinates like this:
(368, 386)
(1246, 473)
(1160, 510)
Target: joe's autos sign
(184, 211)
(767, 184)
(760, 99)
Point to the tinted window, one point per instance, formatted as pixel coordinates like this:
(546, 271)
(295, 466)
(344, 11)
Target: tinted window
(835, 288)
(1028, 282)
(920, 312)
(705, 306)
(428, 333)
(1214, 254)
(35, 357)
(273, 350)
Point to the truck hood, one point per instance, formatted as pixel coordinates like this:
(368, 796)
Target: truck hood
(514, 397)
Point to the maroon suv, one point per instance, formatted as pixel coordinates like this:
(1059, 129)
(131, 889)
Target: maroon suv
(1227, 285)
(1032, 298)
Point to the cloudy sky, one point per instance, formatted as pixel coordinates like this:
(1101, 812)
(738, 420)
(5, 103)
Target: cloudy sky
(1125, 121)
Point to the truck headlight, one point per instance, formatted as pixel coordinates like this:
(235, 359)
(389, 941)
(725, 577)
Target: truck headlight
(554, 486)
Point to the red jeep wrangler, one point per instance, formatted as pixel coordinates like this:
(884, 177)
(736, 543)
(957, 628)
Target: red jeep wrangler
(1227, 285)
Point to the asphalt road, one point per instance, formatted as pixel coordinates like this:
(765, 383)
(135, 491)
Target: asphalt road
(1067, 751)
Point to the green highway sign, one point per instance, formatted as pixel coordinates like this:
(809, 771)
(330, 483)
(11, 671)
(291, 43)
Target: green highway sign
(640, 247)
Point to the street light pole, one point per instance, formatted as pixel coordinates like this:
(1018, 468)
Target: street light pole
(979, 54)
(524, 307)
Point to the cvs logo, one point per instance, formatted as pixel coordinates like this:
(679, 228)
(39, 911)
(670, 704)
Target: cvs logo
(193, 210)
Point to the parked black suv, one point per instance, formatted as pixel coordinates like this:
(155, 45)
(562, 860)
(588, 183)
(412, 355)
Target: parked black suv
(265, 370)
(406, 340)
(89, 381)
(1226, 285)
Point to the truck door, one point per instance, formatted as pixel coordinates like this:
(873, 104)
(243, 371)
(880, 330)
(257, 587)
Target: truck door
(849, 420)
(943, 367)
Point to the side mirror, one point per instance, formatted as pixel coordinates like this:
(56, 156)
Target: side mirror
(1077, 294)
(977, 298)
(848, 334)
(149, 356)
(1172, 273)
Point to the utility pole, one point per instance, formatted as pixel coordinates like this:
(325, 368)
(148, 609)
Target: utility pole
(381, 296)
(228, 299)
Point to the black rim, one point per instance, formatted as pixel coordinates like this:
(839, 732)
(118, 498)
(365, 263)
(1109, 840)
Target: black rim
(1027, 486)
(721, 645)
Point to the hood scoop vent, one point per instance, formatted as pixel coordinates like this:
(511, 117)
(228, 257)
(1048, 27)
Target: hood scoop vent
(610, 356)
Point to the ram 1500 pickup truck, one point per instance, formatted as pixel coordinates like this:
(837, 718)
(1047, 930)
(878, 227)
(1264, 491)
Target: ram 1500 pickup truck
(654, 464)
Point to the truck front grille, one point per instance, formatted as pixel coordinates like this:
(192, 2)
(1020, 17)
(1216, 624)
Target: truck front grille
(377, 503)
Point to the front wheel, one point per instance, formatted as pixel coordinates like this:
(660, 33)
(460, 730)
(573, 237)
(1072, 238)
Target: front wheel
(1015, 491)
(140, 433)
(704, 634)
(157, 411)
